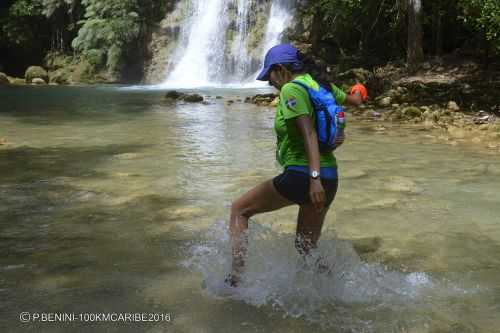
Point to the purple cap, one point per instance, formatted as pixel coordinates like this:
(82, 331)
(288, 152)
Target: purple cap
(279, 54)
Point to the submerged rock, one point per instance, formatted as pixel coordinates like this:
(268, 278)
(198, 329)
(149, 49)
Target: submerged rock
(193, 98)
(401, 184)
(174, 95)
(366, 245)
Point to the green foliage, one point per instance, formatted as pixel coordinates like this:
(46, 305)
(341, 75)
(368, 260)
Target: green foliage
(484, 16)
(50, 6)
(376, 30)
(17, 27)
(109, 27)
(365, 27)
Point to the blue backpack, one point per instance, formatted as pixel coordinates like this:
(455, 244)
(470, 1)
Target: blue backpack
(330, 118)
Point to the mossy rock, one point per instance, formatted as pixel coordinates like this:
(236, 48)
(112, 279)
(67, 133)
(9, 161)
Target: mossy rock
(174, 95)
(4, 80)
(60, 76)
(193, 98)
(54, 61)
(36, 72)
(82, 71)
(412, 112)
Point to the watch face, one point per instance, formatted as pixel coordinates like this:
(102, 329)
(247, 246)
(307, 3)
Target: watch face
(314, 174)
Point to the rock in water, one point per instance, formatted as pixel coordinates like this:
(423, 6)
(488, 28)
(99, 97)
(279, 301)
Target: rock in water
(193, 98)
(173, 94)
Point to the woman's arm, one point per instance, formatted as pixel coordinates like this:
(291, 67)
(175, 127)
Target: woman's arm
(306, 128)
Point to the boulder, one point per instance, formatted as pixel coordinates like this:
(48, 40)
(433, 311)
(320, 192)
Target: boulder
(193, 98)
(425, 109)
(4, 80)
(17, 81)
(412, 112)
(38, 81)
(453, 106)
(385, 102)
(173, 94)
(60, 76)
(36, 72)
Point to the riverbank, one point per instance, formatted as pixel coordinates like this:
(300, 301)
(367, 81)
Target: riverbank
(457, 100)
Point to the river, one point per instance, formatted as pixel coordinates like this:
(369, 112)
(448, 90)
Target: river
(114, 201)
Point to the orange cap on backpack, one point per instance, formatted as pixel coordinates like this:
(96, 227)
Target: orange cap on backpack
(358, 87)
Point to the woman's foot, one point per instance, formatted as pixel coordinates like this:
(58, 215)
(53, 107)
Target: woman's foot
(232, 280)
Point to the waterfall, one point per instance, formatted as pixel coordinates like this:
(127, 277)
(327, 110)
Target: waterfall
(224, 41)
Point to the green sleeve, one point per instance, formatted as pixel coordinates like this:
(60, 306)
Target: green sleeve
(340, 96)
(294, 101)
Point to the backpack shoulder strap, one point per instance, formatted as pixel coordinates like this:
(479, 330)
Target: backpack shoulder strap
(302, 85)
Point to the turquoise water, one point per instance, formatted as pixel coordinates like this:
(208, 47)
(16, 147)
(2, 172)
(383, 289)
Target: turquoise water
(115, 201)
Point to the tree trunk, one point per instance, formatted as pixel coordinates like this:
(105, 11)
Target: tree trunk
(415, 53)
(437, 27)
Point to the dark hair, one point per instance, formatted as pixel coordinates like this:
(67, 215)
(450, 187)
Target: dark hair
(307, 64)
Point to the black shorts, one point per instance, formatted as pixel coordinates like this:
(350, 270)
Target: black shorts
(294, 186)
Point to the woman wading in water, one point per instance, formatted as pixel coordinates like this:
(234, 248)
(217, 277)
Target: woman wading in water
(309, 178)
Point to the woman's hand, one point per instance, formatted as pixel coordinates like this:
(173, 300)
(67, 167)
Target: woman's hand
(317, 194)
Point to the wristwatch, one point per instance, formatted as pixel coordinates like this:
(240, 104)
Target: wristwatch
(314, 174)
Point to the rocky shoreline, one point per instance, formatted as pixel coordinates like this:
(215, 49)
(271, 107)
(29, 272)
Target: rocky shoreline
(424, 100)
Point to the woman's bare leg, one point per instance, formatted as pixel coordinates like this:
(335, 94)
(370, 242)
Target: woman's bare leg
(309, 225)
(262, 198)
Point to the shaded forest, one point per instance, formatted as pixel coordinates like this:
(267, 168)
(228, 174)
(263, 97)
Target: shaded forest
(111, 36)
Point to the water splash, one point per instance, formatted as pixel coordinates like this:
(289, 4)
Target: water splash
(278, 277)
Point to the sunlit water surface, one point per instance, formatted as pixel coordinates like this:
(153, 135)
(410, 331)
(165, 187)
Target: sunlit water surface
(115, 201)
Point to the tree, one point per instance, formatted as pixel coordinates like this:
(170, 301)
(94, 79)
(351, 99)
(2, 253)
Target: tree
(415, 51)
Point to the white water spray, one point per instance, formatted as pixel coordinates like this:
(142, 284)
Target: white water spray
(215, 50)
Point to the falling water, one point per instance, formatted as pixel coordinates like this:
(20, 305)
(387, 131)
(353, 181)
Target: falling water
(222, 41)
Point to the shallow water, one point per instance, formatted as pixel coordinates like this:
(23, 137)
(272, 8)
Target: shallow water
(114, 201)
